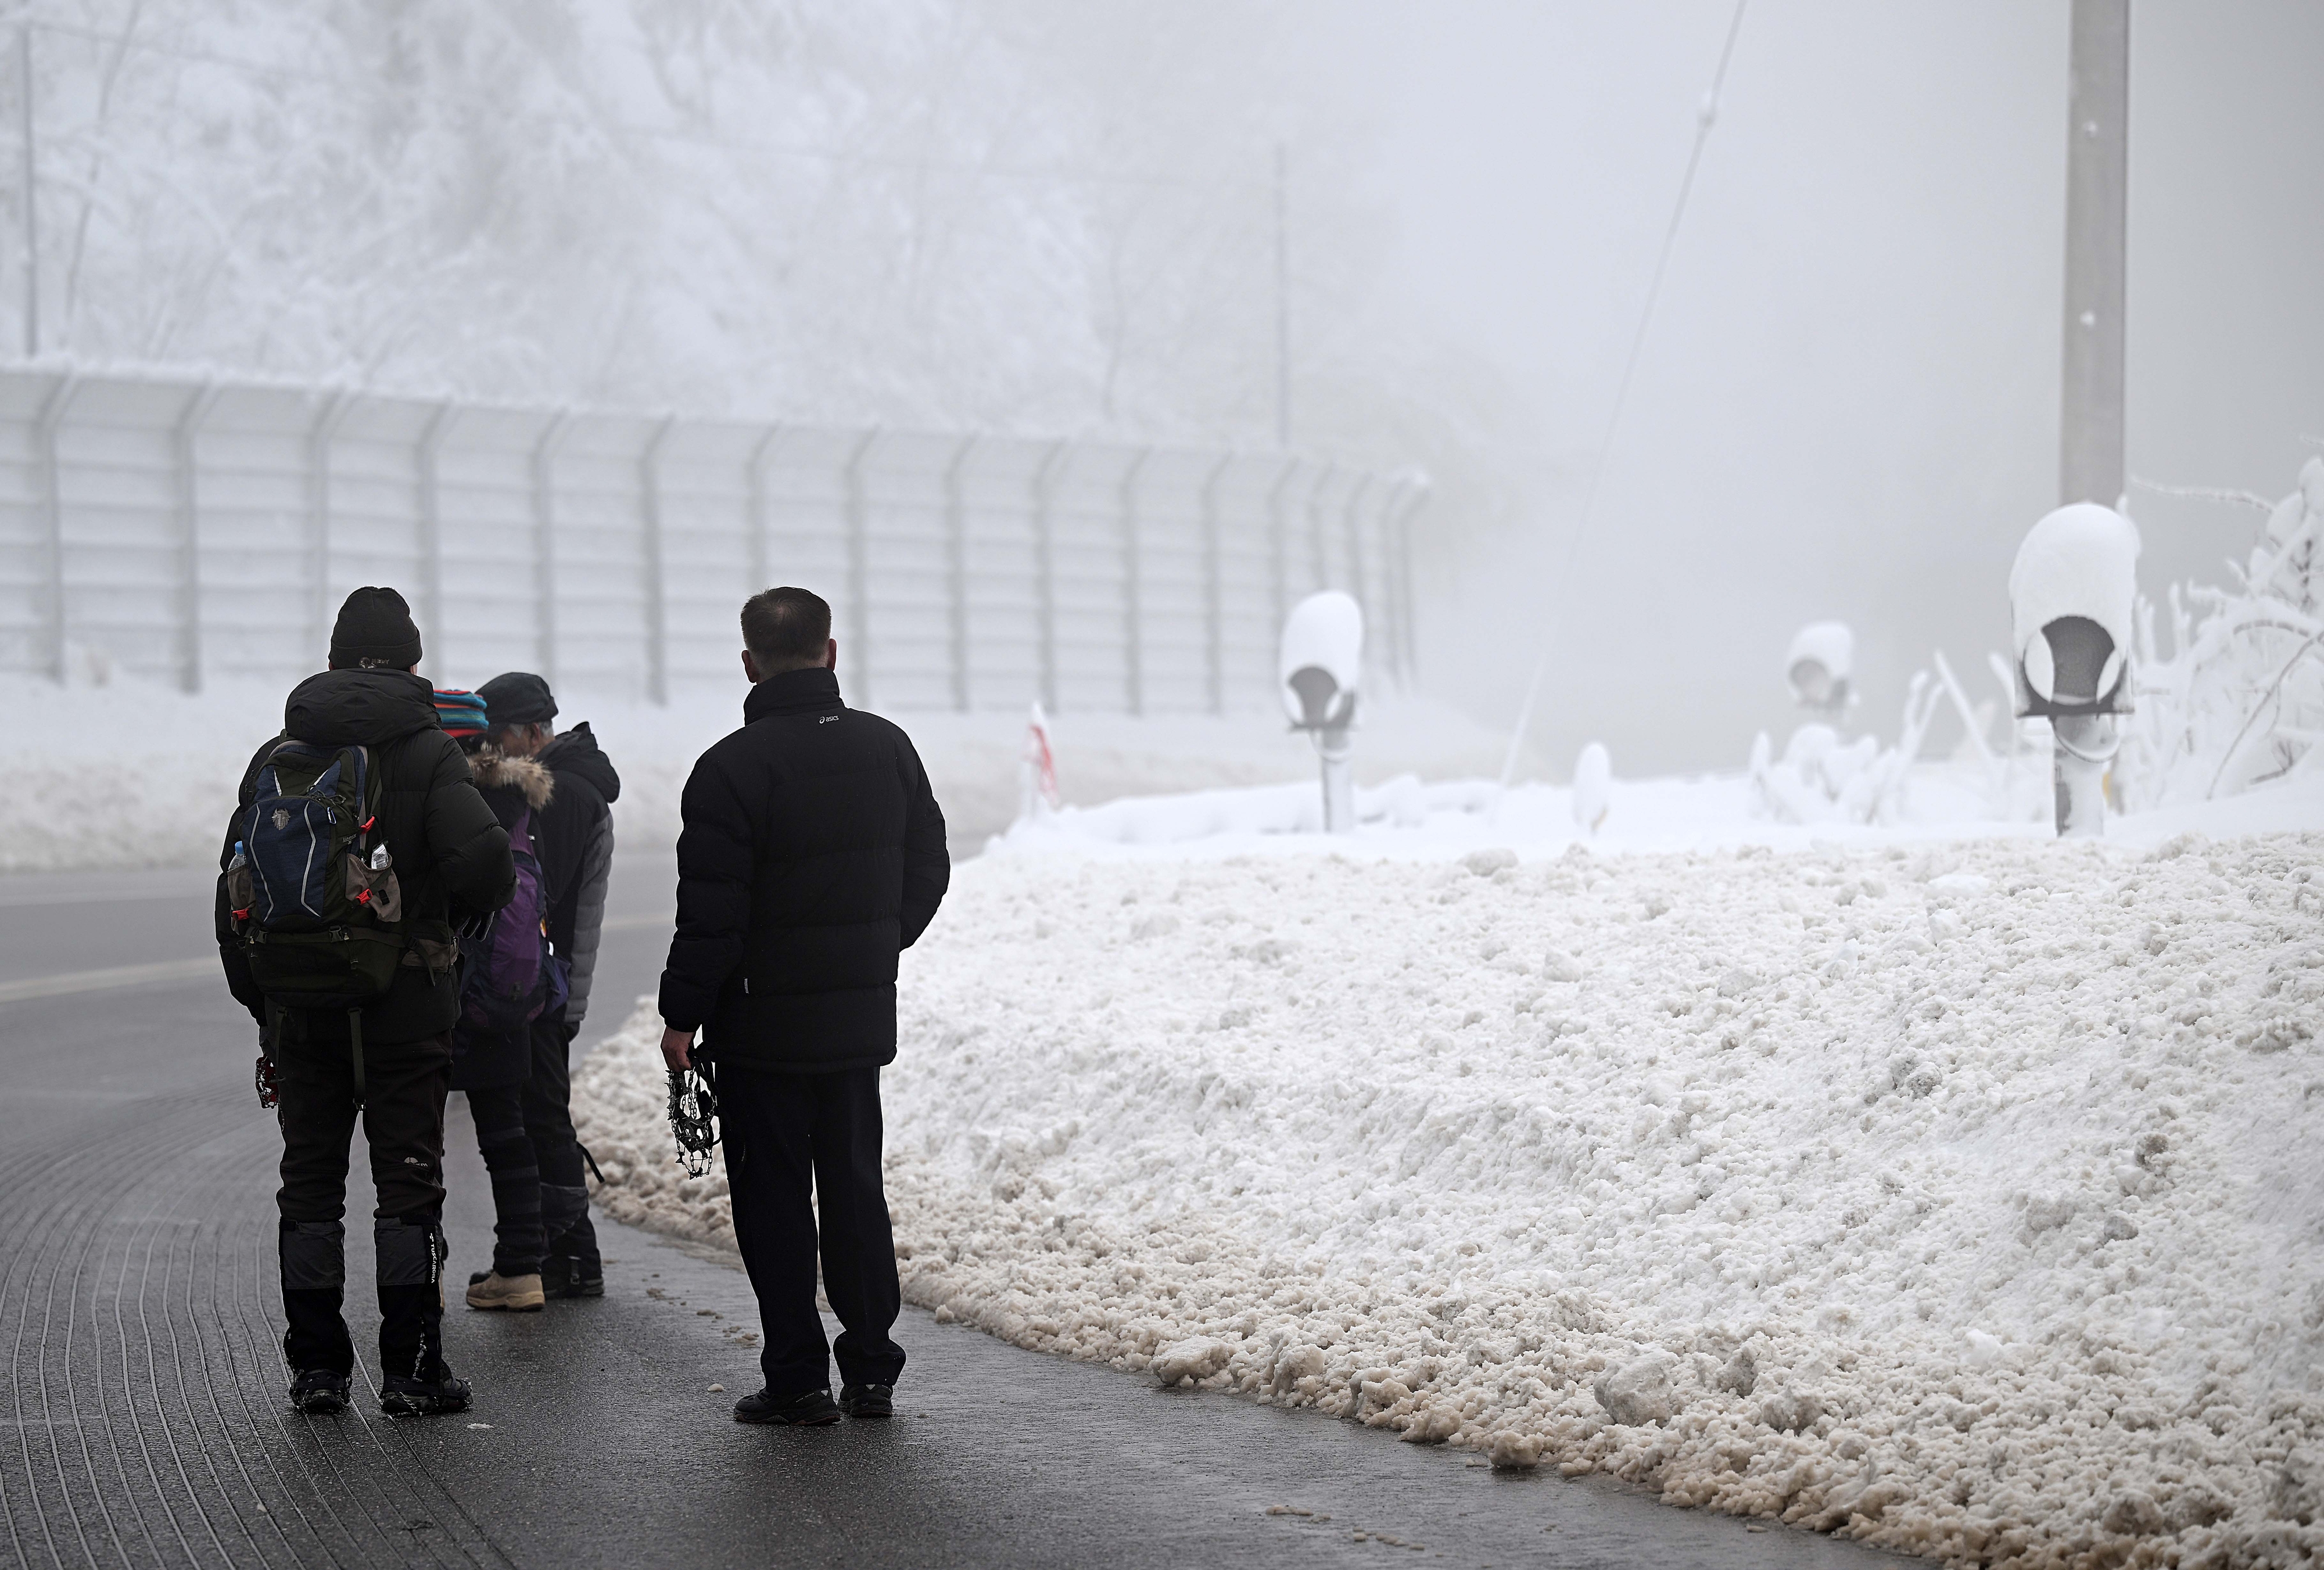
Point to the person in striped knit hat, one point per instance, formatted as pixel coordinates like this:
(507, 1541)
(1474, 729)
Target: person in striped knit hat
(461, 714)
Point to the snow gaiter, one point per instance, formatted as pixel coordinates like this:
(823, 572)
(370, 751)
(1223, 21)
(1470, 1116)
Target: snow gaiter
(314, 1260)
(411, 1295)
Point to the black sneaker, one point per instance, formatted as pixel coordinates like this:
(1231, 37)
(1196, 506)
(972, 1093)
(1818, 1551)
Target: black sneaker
(319, 1392)
(563, 1276)
(868, 1400)
(402, 1396)
(807, 1409)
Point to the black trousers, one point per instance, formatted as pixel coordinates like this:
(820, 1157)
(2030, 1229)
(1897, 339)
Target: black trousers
(787, 1135)
(499, 1115)
(403, 1111)
(548, 1123)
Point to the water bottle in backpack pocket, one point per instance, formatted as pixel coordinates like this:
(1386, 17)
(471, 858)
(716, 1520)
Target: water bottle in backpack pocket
(316, 903)
(510, 974)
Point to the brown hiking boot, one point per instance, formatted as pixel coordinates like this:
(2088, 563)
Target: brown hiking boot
(496, 1290)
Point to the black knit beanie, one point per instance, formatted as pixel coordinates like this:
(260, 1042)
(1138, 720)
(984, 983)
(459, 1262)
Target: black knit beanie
(375, 624)
(518, 698)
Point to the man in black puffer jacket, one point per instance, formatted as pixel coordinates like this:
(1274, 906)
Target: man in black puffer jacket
(451, 858)
(812, 854)
(575, 845)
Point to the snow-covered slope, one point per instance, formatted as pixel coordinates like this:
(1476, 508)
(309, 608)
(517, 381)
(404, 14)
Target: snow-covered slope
(1964, 1196)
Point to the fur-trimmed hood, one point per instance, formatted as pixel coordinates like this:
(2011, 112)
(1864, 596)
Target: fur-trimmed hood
(497, 771)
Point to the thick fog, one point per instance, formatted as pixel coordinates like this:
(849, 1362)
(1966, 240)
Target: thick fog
(1846, 401)
(1054, 218)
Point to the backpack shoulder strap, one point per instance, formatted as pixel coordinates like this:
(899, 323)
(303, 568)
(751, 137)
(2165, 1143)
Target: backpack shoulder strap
(368, 785)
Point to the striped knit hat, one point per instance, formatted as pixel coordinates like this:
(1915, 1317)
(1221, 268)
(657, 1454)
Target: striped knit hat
(460, 713)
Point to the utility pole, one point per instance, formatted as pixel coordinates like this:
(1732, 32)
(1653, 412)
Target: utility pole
(29, 170)
(1282, 296)
(2090, 416)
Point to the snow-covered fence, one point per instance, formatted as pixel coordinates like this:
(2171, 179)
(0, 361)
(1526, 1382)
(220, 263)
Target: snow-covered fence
(184, 530)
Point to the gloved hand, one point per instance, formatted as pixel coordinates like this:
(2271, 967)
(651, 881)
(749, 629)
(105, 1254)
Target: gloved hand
(270, 1089)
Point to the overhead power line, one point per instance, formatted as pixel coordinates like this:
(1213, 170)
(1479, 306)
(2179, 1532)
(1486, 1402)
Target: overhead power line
(1705, 119)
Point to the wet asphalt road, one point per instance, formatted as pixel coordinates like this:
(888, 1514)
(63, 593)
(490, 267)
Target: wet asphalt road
(142, 1421)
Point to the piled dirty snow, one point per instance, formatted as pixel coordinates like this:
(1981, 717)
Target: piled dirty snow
(1968, 1199)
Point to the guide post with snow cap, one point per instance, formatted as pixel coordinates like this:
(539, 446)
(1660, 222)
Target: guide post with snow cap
(2072, 593)
(1821, 667)
(1322, 662)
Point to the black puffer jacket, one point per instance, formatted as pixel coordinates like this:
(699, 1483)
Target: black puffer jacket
(451, 854)
(813, 852)
(576, 852)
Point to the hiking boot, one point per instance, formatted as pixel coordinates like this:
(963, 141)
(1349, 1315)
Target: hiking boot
(319, 1392)
(868, 1400)
(806, 1409)
(492, 1290)
(562, 1276)
(438, 1389)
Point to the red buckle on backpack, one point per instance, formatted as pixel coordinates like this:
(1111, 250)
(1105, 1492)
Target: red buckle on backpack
(242, 915)
(367, 822)
(363, 897)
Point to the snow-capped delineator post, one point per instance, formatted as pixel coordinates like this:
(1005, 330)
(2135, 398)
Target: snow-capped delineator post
(1322, 662)
(2073, 595)
(1821, 667)
(1593, 787)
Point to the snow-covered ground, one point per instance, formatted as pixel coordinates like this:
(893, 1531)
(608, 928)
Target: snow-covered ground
(1404, 818)
(1964, 1194)
(131, 774)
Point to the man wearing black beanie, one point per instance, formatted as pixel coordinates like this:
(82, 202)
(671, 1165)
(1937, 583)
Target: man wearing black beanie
(575, 840)
(375, 631)
(307, 885)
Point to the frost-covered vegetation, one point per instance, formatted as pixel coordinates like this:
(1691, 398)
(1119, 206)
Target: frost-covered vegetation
(1003, 216)
(2239, 700)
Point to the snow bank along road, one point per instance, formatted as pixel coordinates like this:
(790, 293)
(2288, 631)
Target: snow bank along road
(1965, 1198)
(142, 1419)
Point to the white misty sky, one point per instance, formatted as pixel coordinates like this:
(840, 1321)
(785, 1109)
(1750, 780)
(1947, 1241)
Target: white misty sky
(1848, 401)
